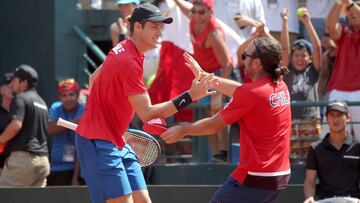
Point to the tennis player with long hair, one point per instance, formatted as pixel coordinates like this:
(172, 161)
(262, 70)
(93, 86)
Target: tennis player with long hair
(262, 109)
(109, 165)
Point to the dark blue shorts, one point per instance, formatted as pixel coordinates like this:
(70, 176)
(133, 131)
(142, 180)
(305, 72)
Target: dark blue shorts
(234, 192)
(108, 171)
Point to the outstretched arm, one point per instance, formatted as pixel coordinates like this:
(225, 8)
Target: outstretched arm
(284, 40)
(224, 86)
(314, 38)
(206, 126)
(146, 111)
(332, 24)
(10, 131)
(184, 6)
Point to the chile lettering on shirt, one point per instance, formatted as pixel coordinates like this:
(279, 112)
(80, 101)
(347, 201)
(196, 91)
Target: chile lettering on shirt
(279, 99)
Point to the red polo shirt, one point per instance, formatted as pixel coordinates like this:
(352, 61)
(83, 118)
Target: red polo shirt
(262, 110)
(108, 111)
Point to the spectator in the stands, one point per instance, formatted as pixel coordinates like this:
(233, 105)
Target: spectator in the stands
(119, 29)
(64, 165)
(211, 52)
(344, 82)
(304, 64)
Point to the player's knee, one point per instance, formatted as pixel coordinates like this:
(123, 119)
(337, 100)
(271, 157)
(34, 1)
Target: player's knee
(141, 196)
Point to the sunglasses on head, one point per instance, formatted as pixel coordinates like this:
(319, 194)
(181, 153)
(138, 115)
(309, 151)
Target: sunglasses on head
(199, 12)
(244, 55)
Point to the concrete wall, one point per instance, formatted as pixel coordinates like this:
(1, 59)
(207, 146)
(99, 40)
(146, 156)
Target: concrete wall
(27, 37)
(159, 194)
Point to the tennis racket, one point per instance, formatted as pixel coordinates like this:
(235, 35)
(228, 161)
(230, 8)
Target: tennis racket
(146, 147)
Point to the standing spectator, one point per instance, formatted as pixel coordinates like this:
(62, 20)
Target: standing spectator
(302, 81)
(273, 9)
(211, 52)
(264, 168)
(25, 135)
(240, 15)
(327, 66)
(64, 166)
(334, 161)
(318, 10)
(119, 29)
(344, 83)
(6, 96)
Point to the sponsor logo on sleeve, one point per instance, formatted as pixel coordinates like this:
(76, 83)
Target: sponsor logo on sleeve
(118, 49)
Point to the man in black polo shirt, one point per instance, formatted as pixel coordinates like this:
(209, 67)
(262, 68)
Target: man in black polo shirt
(334, 161)
(25, 135)
(6, 96)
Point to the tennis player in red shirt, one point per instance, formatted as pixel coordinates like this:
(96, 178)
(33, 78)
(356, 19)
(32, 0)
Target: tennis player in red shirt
(262, 109)
(108, 164)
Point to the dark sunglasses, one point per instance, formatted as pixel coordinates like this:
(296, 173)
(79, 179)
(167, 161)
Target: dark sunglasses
(199, 12)
(244, 55)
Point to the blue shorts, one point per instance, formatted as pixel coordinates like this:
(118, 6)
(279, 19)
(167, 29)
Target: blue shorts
(232, 191)
(108, 171)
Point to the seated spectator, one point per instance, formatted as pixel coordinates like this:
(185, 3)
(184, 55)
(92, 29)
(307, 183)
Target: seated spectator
(64, 167)
(302, 80)
(6, 96)
(334, 162)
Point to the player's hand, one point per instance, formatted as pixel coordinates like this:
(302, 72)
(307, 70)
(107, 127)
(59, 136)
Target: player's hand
(284, 14)
(309, 200)
(195, 68)
(173, 134)
(201, 87)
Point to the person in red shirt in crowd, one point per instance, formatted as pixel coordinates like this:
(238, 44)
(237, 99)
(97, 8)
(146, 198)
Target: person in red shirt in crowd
(262, 109)
(211, 51)
(109, 166)
(344, 83)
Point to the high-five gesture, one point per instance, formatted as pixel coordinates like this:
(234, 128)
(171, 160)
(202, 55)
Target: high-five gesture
(191, 63)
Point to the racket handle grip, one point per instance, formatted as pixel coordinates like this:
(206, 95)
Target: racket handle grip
(66, 124)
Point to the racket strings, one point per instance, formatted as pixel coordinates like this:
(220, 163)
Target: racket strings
(146, 149)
